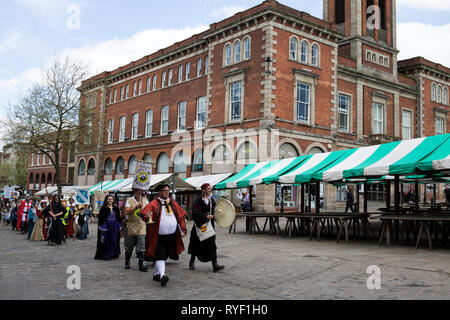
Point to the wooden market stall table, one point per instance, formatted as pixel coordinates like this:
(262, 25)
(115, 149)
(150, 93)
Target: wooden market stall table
(422, 219)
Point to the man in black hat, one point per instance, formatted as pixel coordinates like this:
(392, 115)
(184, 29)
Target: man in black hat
(203, 213)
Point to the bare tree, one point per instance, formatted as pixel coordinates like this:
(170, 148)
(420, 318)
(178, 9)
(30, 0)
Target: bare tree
(45, 120)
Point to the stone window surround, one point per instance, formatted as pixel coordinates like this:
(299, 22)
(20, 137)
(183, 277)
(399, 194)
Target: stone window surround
(411, 124)
(382, 99)
(299, 49)
(350, 111)
(242, 51)
(311, 79)
(441, 113)
(229, 78)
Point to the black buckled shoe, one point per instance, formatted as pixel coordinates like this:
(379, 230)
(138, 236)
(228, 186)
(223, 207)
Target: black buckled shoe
(164, 280)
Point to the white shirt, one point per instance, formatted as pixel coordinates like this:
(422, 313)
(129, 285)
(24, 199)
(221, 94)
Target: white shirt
(168, 223)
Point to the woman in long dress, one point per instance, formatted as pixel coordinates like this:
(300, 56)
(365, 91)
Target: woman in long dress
(38, 234)
(108, 232)
(56, 212)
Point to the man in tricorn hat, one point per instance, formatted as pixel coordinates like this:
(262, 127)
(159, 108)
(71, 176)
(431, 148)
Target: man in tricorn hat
(202, 212)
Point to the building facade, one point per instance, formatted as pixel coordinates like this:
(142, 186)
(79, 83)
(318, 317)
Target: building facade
(266, 83)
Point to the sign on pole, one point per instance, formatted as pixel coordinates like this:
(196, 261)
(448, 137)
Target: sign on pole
(82, 197)
(143, 175)
(8, 192)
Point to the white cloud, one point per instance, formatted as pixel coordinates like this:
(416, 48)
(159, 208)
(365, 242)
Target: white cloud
(111, 54)
(10, 41)
(434, 5)
(428, 41)
(226, 11)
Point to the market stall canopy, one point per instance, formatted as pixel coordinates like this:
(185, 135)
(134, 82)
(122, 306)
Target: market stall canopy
(438, 160)
(112, 186)
(45, 191)
(212, 179)
(156, 179)
(394, 158)
(231, 182)
(270, 172)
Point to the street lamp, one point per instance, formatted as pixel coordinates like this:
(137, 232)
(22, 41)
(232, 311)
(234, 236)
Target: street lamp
(268, 62)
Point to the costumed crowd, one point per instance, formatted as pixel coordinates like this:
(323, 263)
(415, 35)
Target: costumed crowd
(154, 229)
(50, 219)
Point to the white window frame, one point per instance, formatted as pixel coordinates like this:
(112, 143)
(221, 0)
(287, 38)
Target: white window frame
(163, 79)
(436, 121)
(348, 98)
(115, 95)
(199, 67)
(206, 64)
(169, 81)
(127, 89)
(433, 92)
(445, 96)
(140, 87)
(110, 96)
(307, 86)
(110, 130)
(304, 55)
(201, 109)
(148, 123)
(247, 48)
(237, 51)
(227, 54)
(88, 137)
(149, 83)
(309, 78)
(439, 94)
(181, 116)
(315, 63)
(238, 101)
(407, 125)
(122, 93)
(377, 121)
(188, 70)
(122, 128)
(164, 120)
(155, 78)
(180, 73)
(134, 88)
(293, 52)
(134, 126)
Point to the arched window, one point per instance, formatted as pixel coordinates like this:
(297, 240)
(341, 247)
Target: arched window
(162, 165)
(148, 84)
(31, 178)
(199, 67)
(188, 70)
(132, 165)
(315, 55)
(148, 158)
(169, 81)
(293, 48)
(81, 167)
(197, 161)
(439, 94)
(221, 153)
(180, 73)
(120, 166)
(433, 92)
(445, 96)
(237, 51)
(127, 91)
(37, 181)
(49, 179)
(206, 64)
(163, 79)
(304, 53)
(315, 150)
(228, 54)
(247, 48)
(287, 150)
(43, 180)
(108, 166)
(91, 167)
(247, 151)
(154, 82)
(179, 163)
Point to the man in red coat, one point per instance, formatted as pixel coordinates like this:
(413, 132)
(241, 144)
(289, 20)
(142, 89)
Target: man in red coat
(164, 232)
(22, 214)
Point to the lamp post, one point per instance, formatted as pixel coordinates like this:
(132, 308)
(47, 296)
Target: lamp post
(268, 62)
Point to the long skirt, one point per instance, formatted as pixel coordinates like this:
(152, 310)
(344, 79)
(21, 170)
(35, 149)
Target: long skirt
(108, 240)
(37, 234)
(56, 232)
(31, 224)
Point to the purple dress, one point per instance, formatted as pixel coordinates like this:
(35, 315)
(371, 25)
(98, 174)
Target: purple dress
(108, 240)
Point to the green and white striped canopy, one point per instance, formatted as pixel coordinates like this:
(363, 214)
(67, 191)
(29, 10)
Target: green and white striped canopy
(270, 172)
(113, 186)
(231, 182)
(439, 159)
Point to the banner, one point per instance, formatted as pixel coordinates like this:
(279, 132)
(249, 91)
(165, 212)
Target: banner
(143, 175)
(8, 192)
(82, 197)
(99, 198)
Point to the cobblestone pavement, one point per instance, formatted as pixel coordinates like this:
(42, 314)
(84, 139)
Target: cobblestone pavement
(258, 266)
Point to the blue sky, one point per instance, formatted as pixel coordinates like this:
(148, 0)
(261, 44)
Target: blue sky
(115, 32)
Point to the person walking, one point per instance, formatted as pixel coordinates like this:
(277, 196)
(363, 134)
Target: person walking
(164, 235)
(32, 217)
(136, 229)
(37, 234)
(447, 193)
(203, 213)
(55, 211)
(108, 233)
(22, 214)
(350, 200)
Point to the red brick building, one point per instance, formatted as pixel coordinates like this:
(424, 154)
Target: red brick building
(265, 83)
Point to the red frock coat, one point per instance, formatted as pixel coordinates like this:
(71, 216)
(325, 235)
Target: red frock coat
(151, 239)
(20, 213)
